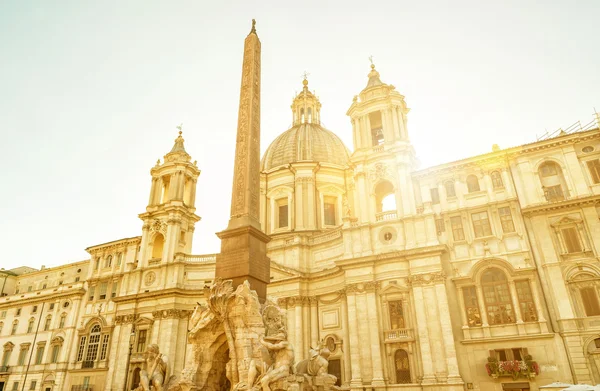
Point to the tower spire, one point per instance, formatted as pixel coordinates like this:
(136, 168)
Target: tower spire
(243, 244)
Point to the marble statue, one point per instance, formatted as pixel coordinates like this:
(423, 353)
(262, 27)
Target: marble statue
(153, 375)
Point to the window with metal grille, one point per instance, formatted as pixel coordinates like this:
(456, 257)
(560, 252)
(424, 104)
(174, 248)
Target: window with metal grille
(450, 191)
(497, 298)
(402, 365)
(471, 306)
(594, 167)
(104, 346)
(554, 193)
(329, 210)
(571, 239)
(457, 229)
(526, 303)
(102, 290)
(481, 224)
(506, 219)
(435, 196)
(589, 298)
(141, 342)
(39, 354)
(396, 315)
(81, 347)
(496, 180)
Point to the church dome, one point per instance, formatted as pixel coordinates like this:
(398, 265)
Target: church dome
(305, 142)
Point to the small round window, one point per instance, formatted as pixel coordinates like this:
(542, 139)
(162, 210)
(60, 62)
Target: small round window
(66, 304)
(330, 343)
(588, 149)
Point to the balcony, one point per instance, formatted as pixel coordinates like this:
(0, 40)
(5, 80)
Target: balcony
(388, 215)
(397, 335)
(87, 364)
(4, 369)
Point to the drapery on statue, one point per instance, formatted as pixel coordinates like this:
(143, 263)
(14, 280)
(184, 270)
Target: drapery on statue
(152, 377)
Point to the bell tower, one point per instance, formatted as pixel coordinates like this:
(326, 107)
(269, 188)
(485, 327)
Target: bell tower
(383, 155)
(170, 215)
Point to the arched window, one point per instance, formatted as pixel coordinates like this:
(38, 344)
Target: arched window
(301, 115)
(309, 115)
(108, 261)
(135, 379)
(450, 191)
(30, 325)
(157, 247)
(498, 303)
(402, 366)
(553, 182)
(385, 197)
(472, 183)
(93, 347)
(497, 180)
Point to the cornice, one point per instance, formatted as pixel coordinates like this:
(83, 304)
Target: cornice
(43, 298)
(555, 206)
(171, 292)
(114, 244)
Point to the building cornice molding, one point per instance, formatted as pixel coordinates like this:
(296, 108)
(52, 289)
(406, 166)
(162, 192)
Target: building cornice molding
(171, 292)
(561, 205)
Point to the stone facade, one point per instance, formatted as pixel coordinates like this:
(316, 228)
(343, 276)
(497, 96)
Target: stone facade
(434, 279)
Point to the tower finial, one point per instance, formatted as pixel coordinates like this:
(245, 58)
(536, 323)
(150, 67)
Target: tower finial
(179, 127)
(305, 79)
(371, 60)
(253, 31)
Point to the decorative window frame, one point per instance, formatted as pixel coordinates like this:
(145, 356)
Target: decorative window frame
(275, 194)
(105, 329)
(571, 221)
(568, 185)
(140, 324)
(393, 292)
(578, 277)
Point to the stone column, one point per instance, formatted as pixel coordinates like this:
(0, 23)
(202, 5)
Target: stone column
(346, 341)
(515, 301)
(152, 199)
(463, 314)
(291, 319)
(311, 203)
(373, 321)
(447, 337)
(193, 183)
(272, 225)
(423, 332)
(482, 309)
(314, 321)
(353, 320)
(298, 204)
(306, 323)
(362, 197)
(394, 114)
(299, 340)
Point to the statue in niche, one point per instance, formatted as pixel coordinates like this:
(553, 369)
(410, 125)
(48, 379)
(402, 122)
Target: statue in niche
(152, 377)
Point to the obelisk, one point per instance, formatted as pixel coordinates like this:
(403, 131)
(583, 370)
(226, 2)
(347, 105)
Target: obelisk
(243, 245)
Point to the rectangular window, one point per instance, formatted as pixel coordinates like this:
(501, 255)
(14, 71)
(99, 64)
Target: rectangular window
(62, 321)
(554, 193)
(481, 224)
(30, 327)
(435, 196)
(15, 386)
(141, 342)
(450, 190)
(440, 226)
(39, 354)
(329, 210)
(22, 356)
(528, 311)
(81, 348)
(29, 288)
(34, 310)
(457, 229)
(5, 357)
(589, 297)
(594, 167)
(471, 306)
(51, 306)
(14, 328)
(102, 290)
(55, 350)
(76, 279)
(47, 324)
(571, 239)
(33, 384)
(114, 289)
(3, 314)
(92, 290)
(283, 215)
(506, 219)
(104, 347)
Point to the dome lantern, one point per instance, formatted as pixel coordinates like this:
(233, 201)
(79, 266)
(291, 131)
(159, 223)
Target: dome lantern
(306, 107)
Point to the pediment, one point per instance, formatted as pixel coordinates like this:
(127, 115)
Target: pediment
(566, 220)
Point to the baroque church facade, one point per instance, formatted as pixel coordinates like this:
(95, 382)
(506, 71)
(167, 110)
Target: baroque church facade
(477, 274)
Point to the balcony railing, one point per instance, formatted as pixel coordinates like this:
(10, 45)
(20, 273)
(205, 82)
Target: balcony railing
(4, 369)
(388, 215)
(82, 387)
(202, 258)
(397, 335)
(88, 364)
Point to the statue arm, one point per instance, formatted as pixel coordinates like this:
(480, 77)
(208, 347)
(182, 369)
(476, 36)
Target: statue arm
(273, 346)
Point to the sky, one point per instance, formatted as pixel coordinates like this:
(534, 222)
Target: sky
(91, 93)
